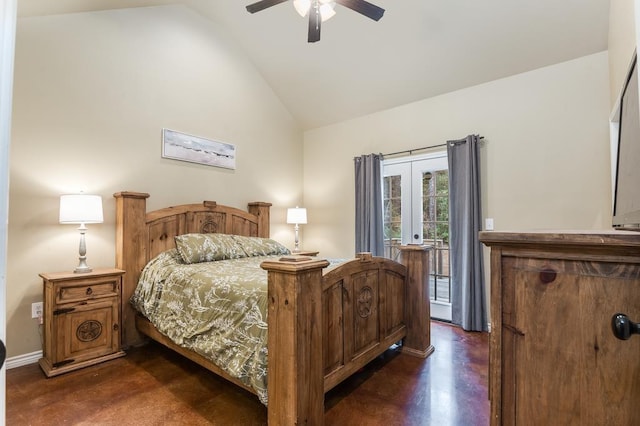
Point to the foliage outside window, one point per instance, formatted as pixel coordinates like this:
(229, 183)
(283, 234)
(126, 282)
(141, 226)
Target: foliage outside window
(392, 208)
(435, 207)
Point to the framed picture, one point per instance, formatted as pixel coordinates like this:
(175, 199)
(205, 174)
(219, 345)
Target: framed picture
(194, 149)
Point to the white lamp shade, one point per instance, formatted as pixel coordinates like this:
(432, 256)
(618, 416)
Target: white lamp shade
(81, 208)
(327, 11)
(297, 215)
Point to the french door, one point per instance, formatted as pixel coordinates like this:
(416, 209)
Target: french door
(416, 211)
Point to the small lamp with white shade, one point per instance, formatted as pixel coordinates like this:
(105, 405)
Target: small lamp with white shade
(297, 216)
(81, 209)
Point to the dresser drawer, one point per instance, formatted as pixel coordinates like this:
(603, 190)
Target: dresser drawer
(73, 293)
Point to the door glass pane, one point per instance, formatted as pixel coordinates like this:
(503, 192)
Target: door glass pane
(428, 191)
(392, 200)
(435, 227)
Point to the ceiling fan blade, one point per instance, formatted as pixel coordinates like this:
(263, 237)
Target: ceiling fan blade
(263, 4)
(364, 7)
(314, 24)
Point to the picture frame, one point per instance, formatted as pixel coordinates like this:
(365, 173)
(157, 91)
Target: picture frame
(195, 149)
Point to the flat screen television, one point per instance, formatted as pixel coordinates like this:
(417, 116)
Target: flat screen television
(626, 197)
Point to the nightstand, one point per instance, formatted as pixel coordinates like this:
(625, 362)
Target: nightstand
(306, 253)
(81, 319)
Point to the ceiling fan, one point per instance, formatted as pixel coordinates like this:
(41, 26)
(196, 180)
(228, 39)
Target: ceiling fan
(321, 10)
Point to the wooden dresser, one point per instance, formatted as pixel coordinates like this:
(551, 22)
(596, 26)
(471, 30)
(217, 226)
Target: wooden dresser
(554, 359)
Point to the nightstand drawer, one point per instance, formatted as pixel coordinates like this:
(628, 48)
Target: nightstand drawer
(75, 292)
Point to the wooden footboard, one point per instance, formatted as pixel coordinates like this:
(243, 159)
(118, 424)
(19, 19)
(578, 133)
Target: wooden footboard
(322, 329)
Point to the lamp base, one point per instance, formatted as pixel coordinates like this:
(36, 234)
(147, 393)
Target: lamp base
(296, 247)
(82, 266)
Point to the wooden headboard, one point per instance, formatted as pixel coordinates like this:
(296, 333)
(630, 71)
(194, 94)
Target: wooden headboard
(140, 236)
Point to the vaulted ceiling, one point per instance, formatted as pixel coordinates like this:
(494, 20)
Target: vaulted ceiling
(419, 49)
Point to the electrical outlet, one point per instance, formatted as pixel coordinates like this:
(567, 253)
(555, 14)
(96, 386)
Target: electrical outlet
(36, 310)
(488, 224)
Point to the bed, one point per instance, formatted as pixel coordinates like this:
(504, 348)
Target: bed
(324, 324)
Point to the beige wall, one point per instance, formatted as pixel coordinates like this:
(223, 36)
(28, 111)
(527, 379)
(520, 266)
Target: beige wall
(622, 42)
(92, 92)
(545, 157)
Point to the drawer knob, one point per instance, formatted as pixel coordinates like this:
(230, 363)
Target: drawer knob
(623, 327)
(548, 276)
(89, 291)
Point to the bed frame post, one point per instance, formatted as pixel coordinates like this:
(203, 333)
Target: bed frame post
(417, 305)
(261, 210)
(131, 208)
(295, 374)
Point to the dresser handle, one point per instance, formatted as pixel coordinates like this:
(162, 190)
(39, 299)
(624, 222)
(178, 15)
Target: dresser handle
(115, 327)
(89, 291)
(623, 327)
(548, 275)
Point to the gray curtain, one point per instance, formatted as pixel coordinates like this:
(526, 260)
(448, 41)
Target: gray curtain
(468, 305)
(369, 214)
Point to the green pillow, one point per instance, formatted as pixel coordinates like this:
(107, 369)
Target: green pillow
(256, 246)
(196, 248)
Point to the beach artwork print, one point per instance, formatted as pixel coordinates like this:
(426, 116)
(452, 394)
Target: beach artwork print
(194, 149)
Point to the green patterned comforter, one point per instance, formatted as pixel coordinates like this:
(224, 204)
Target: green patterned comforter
(217, 309)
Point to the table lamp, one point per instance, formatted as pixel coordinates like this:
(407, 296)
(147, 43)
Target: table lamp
(81, 209)
(297, 216)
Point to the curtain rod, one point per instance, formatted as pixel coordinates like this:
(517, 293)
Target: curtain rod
(411, 151)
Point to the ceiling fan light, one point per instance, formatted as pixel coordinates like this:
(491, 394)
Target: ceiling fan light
(302, 6)
(327, 10)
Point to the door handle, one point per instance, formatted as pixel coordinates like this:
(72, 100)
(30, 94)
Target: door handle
(3, 353)
(623, 327)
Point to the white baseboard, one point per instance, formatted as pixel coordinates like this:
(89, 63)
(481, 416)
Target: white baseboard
(26, 359)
